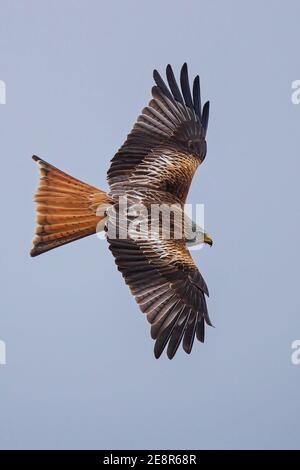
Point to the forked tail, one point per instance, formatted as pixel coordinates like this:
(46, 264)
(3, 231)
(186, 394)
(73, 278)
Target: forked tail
(67, 209)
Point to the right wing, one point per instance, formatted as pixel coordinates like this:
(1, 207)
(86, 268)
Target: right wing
(167, 143)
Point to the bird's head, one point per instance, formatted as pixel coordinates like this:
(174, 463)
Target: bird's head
(207, 239)
(195, 235)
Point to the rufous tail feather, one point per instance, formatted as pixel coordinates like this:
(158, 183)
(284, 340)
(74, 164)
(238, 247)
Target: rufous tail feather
(67, 209)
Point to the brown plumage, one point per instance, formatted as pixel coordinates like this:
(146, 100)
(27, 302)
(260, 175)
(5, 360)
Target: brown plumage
(155, 165)
(65, 208)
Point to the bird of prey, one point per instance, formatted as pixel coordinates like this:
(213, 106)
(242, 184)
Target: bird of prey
(155, 165)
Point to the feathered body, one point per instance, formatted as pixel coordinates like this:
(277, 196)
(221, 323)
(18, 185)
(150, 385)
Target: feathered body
(155, 165)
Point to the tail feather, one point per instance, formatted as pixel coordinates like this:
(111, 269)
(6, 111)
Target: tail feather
(66, 209)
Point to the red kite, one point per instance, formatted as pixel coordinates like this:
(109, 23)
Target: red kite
(155, 165)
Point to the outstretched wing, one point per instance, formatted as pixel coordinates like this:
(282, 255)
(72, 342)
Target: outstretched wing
(167, 143)
(164, 281)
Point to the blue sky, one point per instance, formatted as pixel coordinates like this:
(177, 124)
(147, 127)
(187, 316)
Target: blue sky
(80, 369)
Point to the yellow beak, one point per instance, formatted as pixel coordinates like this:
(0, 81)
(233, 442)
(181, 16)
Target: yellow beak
(208, 239)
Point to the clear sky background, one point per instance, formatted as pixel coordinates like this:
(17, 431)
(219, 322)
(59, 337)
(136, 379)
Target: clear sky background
(80, 369)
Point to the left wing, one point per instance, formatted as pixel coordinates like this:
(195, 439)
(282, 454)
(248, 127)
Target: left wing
(167, 143)
(165, 283)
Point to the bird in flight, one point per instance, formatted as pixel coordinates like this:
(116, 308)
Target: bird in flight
(154, 166)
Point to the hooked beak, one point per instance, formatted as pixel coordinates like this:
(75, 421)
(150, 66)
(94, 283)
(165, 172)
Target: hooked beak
(208, 239)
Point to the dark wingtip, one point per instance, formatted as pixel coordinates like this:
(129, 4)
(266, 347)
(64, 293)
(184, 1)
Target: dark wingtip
(200, 331)
(197, 96)
(173, 85)
(185, 86)
(205, 116)
(157, 352)
(171, 352)
(184, 96)
(184, 70)
(187, 349)
(36, 158)
(155, 74)
(161, 84)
